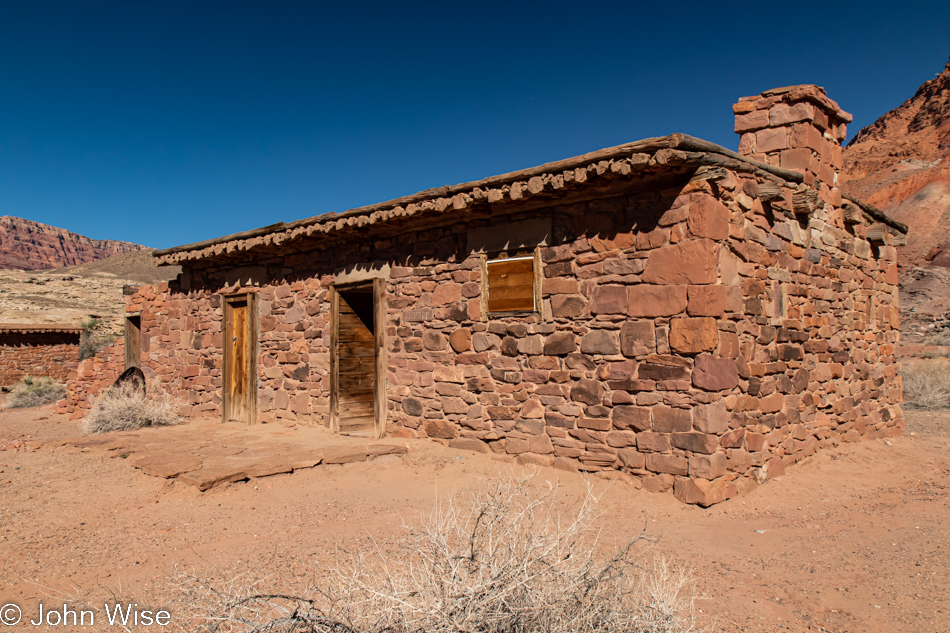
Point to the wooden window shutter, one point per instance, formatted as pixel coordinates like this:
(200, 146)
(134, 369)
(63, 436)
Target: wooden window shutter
(511, 285)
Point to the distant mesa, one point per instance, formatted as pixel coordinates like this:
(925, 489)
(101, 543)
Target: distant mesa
(29, 245)
(901, 164)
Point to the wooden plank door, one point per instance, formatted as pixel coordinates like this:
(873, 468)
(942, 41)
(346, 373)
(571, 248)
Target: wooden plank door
(355, 362)
(240, 402)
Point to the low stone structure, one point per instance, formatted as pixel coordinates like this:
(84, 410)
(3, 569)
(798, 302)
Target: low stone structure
(667, 311)
(38, 350)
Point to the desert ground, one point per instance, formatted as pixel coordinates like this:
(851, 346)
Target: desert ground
(853, 539)
(69, 296)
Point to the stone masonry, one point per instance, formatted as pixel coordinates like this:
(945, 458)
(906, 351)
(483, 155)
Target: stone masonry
(38, 350)
(708, 318)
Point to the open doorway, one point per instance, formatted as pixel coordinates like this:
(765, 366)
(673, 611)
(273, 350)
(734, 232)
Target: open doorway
(357, 366)
(133, 341)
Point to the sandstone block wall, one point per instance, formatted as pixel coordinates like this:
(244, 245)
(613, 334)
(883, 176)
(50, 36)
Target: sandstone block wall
(182, 347)
(797, 128)
(707, 353)
(92, 375)
(53, 354)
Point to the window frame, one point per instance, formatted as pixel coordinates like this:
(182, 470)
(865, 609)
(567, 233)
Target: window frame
(534, 255)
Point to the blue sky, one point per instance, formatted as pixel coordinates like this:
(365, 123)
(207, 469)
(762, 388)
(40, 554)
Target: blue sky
(170, 122)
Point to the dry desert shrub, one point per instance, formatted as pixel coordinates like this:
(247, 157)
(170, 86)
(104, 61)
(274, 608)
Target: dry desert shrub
(927, 384)
(94, 338)
(33, 392)
(127, 406)
(500, 559)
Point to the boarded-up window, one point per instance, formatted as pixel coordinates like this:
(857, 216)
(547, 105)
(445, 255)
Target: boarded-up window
(511, 285)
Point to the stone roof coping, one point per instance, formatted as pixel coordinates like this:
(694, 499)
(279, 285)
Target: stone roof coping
(877, 214)
(675, 149)
(30, 328)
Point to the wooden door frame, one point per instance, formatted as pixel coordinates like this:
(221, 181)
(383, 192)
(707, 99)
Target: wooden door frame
(253, 344)
(378, 286)
(382, 359)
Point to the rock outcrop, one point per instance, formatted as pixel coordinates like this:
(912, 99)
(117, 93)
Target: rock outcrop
(901, 164)
(29, 245)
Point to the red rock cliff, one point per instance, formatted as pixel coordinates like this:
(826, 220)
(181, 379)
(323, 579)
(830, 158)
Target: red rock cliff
(901, 163)
(29, 245)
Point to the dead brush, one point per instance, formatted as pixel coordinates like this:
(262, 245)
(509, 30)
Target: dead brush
(499, 559)
(927, 384)
(33, 392)
(94, 338)
(127, 406)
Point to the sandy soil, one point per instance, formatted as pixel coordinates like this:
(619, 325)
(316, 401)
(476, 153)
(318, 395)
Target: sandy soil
(854, 539)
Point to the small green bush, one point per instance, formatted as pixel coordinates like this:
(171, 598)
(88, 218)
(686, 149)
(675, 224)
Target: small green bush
(927, 384)
(33, 392)
(126, 406)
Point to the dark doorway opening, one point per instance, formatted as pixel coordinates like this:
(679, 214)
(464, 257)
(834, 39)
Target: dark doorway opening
(355, 354)
(133, 341)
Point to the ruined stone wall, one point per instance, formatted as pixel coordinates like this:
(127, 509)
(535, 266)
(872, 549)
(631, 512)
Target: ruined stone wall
(91, 377)
(52, 354)
(182, 344)
(699, 339)
(182, 348)
(181, 339)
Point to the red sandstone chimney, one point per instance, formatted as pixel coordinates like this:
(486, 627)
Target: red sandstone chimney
(797, 127)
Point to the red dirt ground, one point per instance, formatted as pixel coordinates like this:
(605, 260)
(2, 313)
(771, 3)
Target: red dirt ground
(854, 539)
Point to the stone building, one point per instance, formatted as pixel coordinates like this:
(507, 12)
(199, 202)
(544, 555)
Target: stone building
(693, 317)
(37, 350)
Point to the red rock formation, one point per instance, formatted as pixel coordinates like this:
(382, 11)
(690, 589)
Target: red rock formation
(29, 245)
(901, 163)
